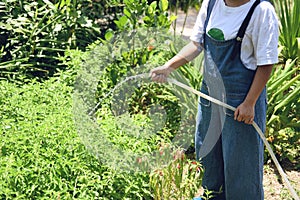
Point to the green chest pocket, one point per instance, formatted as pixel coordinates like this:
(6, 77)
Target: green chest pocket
(216, 34)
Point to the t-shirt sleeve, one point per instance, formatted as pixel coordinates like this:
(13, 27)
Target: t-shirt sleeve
(265, 35)
(198, 30)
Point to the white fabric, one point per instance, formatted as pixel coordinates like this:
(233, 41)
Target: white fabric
(260, 43)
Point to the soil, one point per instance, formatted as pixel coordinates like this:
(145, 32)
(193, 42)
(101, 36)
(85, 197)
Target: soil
(274, 186)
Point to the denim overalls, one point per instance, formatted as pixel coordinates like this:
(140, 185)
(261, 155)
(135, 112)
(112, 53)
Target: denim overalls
(235, 163)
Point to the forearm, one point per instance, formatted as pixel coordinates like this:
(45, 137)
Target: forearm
(176, 62)
(185, 55)
(259, 82)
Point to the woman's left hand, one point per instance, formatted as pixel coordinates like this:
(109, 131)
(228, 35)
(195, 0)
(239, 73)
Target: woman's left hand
(244, 113)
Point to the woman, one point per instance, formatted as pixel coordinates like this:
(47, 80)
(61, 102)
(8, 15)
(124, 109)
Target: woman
(241, 38)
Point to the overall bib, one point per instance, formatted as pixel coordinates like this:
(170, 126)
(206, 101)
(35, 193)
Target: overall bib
(235, 162)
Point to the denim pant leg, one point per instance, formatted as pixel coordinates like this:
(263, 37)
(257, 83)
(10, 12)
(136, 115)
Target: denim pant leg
(243, 156)
(213, 178)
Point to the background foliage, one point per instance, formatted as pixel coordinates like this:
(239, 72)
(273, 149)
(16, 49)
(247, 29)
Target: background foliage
(289, 14)
(35, 34)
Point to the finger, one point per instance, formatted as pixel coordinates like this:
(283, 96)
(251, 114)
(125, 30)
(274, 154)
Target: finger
(236, 113)
(251, 121)
(150, 74)
(248, 121)
(240, 117)
(155, 77)
(161, 78)
(156, 71)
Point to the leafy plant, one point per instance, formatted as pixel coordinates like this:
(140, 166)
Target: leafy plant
(139, 14)
(289, 14)
(35, 34)
(157, 15)
(181, 179)
(282, 115)
(41, 154)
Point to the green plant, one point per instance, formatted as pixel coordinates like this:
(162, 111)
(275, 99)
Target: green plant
(35, 34)
(289, 14)
(283, 121)
(157, 15)
(180, 179)
(141, 14)
(43, 157)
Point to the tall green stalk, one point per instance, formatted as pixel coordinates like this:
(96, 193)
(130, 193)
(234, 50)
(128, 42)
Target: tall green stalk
(289, 14)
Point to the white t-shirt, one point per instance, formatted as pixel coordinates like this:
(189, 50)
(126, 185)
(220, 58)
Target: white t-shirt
(260, 42)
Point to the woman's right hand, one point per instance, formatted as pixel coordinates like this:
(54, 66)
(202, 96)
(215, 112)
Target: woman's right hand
(186, 54)
(161, 73)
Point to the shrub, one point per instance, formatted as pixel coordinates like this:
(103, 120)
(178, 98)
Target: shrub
(181, 179)
(282, 114)
(35, 34)
(42, 155)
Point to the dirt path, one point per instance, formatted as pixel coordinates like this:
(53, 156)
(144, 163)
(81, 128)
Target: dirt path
(185, 28)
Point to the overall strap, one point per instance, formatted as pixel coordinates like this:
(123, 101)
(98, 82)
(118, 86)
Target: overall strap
(210, 7)
(242, 30)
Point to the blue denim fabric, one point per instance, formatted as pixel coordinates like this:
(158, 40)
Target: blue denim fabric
(235, 163)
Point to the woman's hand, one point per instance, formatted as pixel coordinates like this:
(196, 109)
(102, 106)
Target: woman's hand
(244, 113)
(160, 74)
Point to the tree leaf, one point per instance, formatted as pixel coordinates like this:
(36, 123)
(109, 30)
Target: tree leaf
(109, 35)
(163, 5)
(127, 13)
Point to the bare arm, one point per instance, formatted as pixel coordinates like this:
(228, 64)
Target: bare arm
(176, 62)
(186, 54)
(245, 111)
